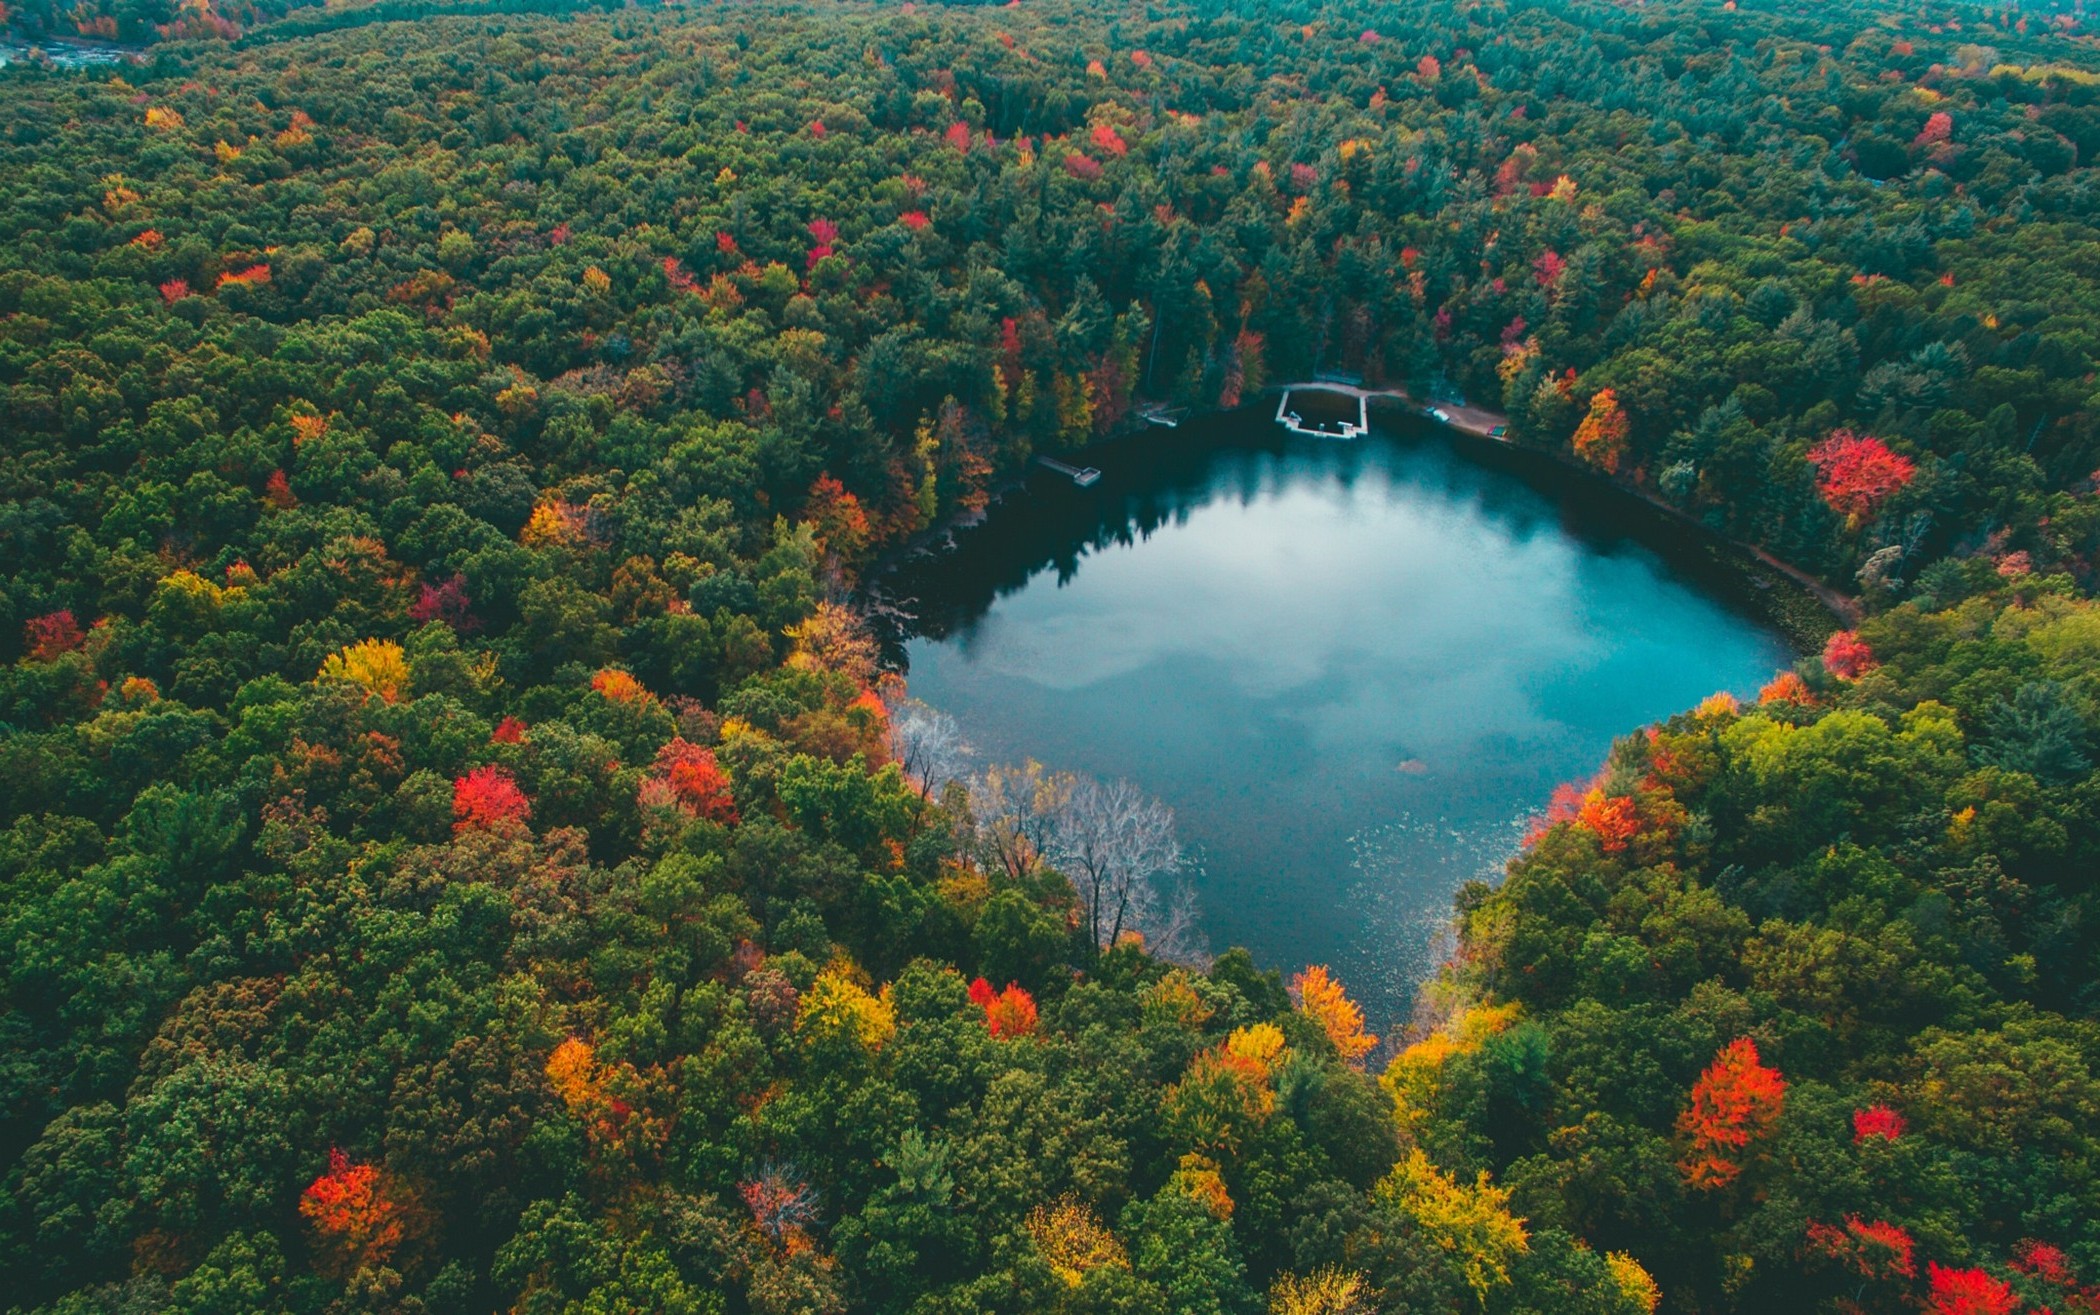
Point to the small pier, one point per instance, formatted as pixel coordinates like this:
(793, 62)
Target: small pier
(1162, 415)
(1082, 476)
(1344, 429)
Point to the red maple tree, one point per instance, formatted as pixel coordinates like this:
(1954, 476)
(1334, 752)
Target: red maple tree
(52, 635)
(1968, 1292)
(488, 797)
(1847, 656)
(1876, 1250)
(352, 1210)
(1008, 1013)
(1736, 1101)
(1876, 1121)
(697, 780)
(1856, 473)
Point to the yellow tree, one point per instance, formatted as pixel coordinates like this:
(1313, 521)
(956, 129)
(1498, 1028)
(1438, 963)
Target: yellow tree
(1601, 437)
(1471, 1223)
(377, 664)
(1322, 999)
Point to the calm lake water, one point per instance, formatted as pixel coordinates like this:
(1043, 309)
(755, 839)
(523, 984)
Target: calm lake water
(1355, 670)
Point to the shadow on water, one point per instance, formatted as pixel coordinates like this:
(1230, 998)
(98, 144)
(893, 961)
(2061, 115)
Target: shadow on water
(1153, 479)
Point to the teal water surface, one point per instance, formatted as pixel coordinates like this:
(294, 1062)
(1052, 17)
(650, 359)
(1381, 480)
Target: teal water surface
(1354, 670)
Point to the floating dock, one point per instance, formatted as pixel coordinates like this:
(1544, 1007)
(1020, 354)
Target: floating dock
(1344, 429)
(1082, 476)
(1158, 413)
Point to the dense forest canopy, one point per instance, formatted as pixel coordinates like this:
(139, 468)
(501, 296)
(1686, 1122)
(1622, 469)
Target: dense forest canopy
(461, 852)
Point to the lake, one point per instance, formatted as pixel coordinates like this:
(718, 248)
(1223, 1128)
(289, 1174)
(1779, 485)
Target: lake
(1354, 669)
(66, 53)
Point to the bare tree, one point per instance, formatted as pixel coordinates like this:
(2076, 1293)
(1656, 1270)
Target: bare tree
(1116, 844)
(929, 746)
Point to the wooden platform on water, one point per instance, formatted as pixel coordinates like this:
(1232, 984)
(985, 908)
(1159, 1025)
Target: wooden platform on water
(1342, 429)
(1082, 476)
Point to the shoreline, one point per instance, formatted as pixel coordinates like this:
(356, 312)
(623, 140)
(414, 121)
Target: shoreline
(1820, 610)
(1480, 424)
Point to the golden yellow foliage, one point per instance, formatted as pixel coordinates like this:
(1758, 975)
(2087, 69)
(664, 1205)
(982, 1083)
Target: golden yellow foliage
(1633, 1281)
(377, 664)
(1260, 1044)
(1199, 1177)
(1472, 1223)
(226, 151)
(836, 1002)
(1563, 189)
(1322, 999)
(1718, 705)
(1325, 1291)
(572, 1072)
(160, 116)
(1415, 1077)
(834, 638)
(555, 524)
(1073, 1241)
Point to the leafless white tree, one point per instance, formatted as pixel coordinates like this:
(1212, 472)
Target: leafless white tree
(928, 745)
(1116, 845)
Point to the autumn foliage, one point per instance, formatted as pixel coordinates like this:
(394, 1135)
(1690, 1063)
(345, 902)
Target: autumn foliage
(1856, 473)
(1872, 1250)
(1735, 1102)
(1876, 1121)
(351, 1209)
(486, 798)
(1968, 1292)
(1600, 439)
(1008, 1013)
(1786, 687)
(1322, 999)
(695, 780)
(52, 635)
(1847, 656)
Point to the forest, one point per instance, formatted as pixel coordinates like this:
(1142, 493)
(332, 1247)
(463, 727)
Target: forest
(461, 849)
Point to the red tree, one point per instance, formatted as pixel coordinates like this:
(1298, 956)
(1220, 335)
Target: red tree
(352, 1210)
(488, 797)
(697, 780)
(1009, 1013)
(1968, 1292)
(1855, 473)
(1847, 656)
(1876, 1121)
(447, 602)
(1610, 818)
(52, 634)
(1736, 1101)
(1877, 1250)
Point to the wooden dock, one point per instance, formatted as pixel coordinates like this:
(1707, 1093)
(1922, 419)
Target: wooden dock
(1343, 429)
(1082, 476)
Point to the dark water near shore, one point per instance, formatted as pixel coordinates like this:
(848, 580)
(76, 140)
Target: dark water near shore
(1354, 670)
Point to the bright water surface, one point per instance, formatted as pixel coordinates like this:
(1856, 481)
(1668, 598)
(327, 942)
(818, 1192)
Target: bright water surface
(1355, 670)
(65, 54)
